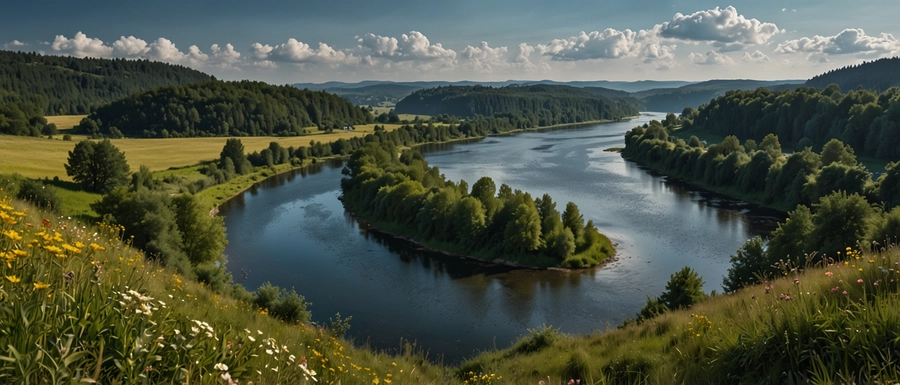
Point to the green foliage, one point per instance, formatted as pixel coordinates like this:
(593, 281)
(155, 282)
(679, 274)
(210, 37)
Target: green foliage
(97, 166)
(537, 339)
(878, 74)
(21, 116)
(521, 106)
(202, 235)
(865, 121)
(219, 108)
(69, 86)
(39, 194)
(286, 306)
(415, 200)
(747, 266)
(684, 289)
(232, 158)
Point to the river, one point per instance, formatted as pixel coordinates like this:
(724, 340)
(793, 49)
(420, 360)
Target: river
(292, 230)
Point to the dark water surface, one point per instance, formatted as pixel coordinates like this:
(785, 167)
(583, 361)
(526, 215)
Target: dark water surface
(292, 230)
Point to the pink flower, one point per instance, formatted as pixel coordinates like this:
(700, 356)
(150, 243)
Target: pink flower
(845, 292)
(796, 281)
(859, 280)
(876, 283)
(835, 289)
(828, 274)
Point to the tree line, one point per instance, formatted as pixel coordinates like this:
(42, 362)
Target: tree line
(62, 85)
(524, 106)
(219, 108)
(834, 202)
(23, 117)
(867, 121)
(404, 194)
(877, 75)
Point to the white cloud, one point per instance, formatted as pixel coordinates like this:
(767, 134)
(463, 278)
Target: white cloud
(609, 44)
(130, 47)
(224, 57)
(298, 52)
(755, 57)
(711, 58)
(14, 43)
(411, 46)
(81, 46)
(848, 41)
(484, 57)
(259, 51)
(523, 55)
(723, 26)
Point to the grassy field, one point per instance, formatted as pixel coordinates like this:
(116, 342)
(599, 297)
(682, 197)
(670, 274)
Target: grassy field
(65, 122)
(410, 117)
(45, 158)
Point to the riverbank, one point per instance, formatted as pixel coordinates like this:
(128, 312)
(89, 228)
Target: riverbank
(373, 226)
(215, 196)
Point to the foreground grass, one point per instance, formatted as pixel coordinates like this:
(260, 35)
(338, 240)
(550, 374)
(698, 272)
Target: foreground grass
(833, 323)
(80, 305)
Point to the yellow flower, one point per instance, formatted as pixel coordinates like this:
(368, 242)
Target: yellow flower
(20, 253)
(375, 381)
(96, 247)
(41, 285)
(13, 235)
(70, 248)
(13, 278)
(53, 249)
(79, 245)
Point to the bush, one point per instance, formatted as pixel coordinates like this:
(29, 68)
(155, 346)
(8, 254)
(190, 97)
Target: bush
(39, 194)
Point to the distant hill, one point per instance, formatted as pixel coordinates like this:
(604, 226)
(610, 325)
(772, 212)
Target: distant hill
(694, 95)
(218, 108)
(877, 75)
(539, 105)
(372, 92)
(61, 85)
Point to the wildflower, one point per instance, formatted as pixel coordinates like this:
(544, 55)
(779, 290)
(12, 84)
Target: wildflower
(269, 351)
(876, 283)
(796, 281)
(859, 280)
(251, 338)
(221, 366)
(845, 292)
(828, 274)
(13, 235)
(835, 289)
(13, 278)
(41, 285)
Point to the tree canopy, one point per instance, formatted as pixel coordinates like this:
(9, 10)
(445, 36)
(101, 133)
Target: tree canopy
(219, 108)
(97, 165)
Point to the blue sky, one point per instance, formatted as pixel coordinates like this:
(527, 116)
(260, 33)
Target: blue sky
(353, 40)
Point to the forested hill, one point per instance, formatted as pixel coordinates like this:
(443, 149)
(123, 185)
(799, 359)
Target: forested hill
(219, 108)
(867, 121)
(695, 95)
(60, 85)
(878, 75)
(537, 105)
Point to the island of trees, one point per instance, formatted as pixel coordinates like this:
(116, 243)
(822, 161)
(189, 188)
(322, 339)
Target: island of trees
(223, 109)
(524, 106)
(403, 195)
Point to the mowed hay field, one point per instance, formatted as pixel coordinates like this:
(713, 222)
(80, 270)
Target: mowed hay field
(41, 157)
(65, 122)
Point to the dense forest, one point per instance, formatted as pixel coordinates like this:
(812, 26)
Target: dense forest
(61, 85)
(406, 195)
(876, 75)
(525, 106)
(20, 116)
(834, 201)
(222, 109)
(868, 121)
(695, 95)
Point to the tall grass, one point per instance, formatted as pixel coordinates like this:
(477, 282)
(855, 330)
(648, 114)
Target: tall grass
(79, 305)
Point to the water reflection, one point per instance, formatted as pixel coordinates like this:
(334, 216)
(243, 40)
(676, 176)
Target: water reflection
(293, 231)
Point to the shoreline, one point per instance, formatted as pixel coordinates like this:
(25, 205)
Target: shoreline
(215, 209)
(469, 258)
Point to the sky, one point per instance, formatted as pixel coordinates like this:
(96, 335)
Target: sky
(304, 41)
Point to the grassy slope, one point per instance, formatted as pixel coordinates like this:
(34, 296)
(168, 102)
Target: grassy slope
(65, 122)
(838, 326)
(84, 306)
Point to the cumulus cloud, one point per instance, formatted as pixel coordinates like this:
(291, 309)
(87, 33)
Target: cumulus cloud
(710, 58)
(411, 46)
(484, 57)
(755, 57)
(14, 43)
(721, 26)
(224, 57)
(609, 44)
(81, 46)
(848, 41)
(295, 51)
(130, 47)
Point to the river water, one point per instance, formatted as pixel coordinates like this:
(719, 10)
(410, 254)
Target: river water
(292, 231)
